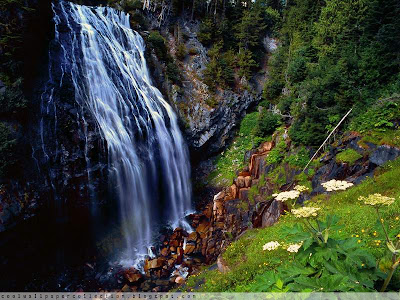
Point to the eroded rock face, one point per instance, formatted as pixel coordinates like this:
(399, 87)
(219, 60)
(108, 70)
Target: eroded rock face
(207, 128)
(383, 154)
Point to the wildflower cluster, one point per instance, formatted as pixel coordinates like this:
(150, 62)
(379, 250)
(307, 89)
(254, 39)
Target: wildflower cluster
(336, 185)
(377, 200)
(271, 246)
(284, 196)
(305, 212)
(301, 188)
(294, 248)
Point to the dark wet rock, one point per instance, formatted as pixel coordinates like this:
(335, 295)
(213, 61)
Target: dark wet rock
(383, 154)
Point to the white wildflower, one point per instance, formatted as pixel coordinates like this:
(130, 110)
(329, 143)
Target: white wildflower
(271, 246)
(377, 200)
(294, 248)
(284, 196)
(336, 185)
(305, 212)
(301, 188)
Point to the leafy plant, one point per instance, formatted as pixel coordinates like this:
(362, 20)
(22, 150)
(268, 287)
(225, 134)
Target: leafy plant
(322, 263)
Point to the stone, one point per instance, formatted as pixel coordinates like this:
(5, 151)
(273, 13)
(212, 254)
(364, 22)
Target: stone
(219, 196)
(164, 251)
(247, 181)
(272, 213)
(203, 228)
(189, 249)
(193, 236)
(218, 208)
(155, 263)
(244, 173)
(134, 278)
(179, 280)
(126, 288)
(240, 181)
(222, 265)
(244, 194)
(266, 146)
(383, 154)
(234, 191)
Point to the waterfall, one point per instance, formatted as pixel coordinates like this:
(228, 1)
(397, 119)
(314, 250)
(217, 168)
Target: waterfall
(148, 159)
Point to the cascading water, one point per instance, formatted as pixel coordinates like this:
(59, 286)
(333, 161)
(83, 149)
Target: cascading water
(148, 160)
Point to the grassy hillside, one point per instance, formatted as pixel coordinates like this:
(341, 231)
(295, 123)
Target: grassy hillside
(250, 265)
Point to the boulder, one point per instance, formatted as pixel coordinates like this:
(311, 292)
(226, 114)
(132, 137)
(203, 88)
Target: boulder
(234, 191)
(244, 194)
(193, 236)
(134, 278)
(219, 196)
(222, 265)
(179, 280)
(247, 181)
(240, 181)
(383, 154)
(189, 249)
(164, 251)
(266, 146)
(272, 213)
(154, 263)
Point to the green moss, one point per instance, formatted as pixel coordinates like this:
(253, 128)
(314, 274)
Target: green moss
(349, 156)
(388, 137)
(247, 259)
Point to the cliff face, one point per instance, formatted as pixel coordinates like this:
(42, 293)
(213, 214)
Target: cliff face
(209, 118)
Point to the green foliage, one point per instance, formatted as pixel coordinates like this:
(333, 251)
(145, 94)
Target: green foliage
(8, 145)
(300, 159)
(324, 263)
(173, 72)
(332, 57)
(277, 154)
(380, 117)
(207, 31)
(13, 102)
(181, 51)
(349, 156)
(267, 122)
(157, 43)
(235, 38)
(219, 71)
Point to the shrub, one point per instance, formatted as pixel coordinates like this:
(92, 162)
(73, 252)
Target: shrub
(7, 149)
(192, 51)
(277, 154)
(173, 72)
(157, 43)
(181, 51)
(207, 32)
(12, 102)
(378, 118)
(267, 122)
